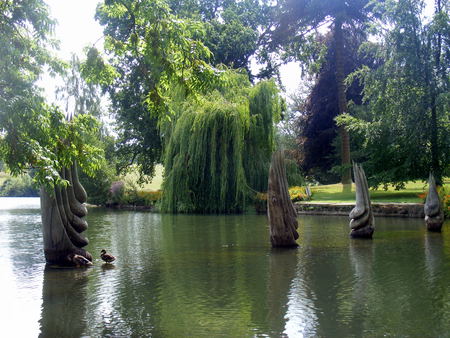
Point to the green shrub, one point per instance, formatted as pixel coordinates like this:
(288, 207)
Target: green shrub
(298, 194)
(117, 193)
(260, 202)
(445, 199)
(98, 187)
(295, 193)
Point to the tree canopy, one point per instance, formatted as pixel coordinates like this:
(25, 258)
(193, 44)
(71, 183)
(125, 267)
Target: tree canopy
(317, 130)
(208, 167)
(298, 20)
(149, 51)
(34, 134)
(406, 126)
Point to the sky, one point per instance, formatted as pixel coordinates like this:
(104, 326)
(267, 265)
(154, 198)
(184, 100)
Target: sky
(77, 29)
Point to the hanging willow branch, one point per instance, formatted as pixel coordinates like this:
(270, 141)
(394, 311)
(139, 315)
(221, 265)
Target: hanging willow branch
(216, 146)
(265, 109)
(203, 160)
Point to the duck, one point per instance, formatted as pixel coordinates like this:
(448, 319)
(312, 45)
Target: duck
(79, 260)
(108, 258)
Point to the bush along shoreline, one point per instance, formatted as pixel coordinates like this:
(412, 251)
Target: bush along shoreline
(21, 186)
(126, 196)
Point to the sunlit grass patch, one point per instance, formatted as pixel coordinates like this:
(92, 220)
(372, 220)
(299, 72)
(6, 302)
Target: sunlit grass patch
(155, 183)
(414, 192)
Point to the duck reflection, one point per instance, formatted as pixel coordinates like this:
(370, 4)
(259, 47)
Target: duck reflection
(64, 302)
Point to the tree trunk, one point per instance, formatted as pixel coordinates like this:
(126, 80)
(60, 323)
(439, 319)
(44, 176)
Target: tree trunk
(62, 224)
(342, 104)
(281, 212)
(435, 166)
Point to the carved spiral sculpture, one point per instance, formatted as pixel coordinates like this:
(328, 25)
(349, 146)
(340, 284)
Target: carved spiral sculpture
(434, 215)
(362, 222)
(63, 222)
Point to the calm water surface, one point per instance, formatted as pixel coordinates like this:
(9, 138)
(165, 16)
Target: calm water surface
(209, 276)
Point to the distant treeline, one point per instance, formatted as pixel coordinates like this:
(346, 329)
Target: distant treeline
(21, 186)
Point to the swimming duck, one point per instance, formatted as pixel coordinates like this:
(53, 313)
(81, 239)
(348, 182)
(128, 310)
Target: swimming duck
(108, 258)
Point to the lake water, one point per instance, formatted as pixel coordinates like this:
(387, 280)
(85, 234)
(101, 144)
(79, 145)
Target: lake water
(217, 276)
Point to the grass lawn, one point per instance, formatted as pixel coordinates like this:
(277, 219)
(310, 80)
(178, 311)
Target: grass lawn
(333, 193)
(154, 185)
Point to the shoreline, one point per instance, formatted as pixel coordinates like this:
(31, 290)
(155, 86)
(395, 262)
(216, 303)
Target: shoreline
(386, 209)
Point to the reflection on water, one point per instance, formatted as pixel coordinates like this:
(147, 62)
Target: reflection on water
(64, 298)
(188, 275)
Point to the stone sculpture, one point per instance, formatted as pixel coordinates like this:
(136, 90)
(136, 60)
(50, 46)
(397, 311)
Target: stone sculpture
(63, 213)
(280, 210)
(434, 215)
(361, 217)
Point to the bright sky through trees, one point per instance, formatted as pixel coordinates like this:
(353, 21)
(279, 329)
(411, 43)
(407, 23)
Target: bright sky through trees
(77, 29)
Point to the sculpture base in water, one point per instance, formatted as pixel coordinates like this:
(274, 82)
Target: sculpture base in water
(68, 258)
(365, 232)
(361, 217)
(434, 216)
(63, 222)
(434, 224)
(280, 211)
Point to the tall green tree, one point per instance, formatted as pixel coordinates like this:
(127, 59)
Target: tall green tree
(234, 28)
(297, 21)
(317, 131)
(406, 128)
(150, 51)
(80, 97)
(77, 95)
(220, 146)
(33, 134)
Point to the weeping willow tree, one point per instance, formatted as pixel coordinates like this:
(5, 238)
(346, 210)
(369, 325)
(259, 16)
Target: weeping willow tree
(217, 145)
(264, 108)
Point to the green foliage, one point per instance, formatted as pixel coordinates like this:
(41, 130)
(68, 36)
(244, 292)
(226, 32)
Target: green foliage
(98, 185)
(32, 134)
(163, 45)
(217, 145)
(405, 127)
(150, 51)
(298, 20)
(317, 131)
(82, 97)
(127, 193)
(234, 29)
(21, 186)
(293, 174)
(132, 196)
(47, 143)
(297, 31)
(265, 109)
(203, 159)
(444, 195)
(79, 95)
(296, 194)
